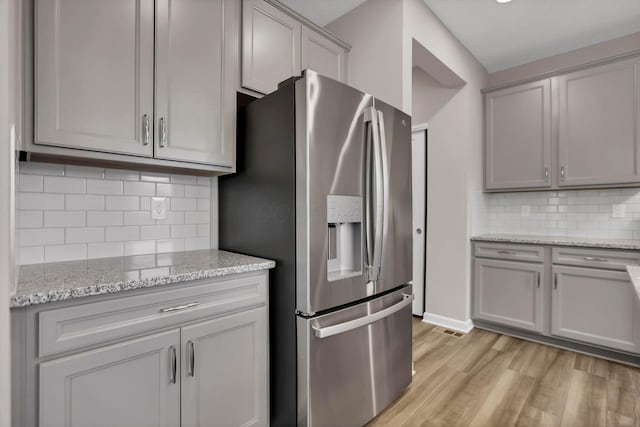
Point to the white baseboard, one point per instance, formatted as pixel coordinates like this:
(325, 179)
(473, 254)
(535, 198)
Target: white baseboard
(447, 322)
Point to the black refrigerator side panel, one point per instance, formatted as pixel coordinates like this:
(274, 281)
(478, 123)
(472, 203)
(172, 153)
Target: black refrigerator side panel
(257, 217)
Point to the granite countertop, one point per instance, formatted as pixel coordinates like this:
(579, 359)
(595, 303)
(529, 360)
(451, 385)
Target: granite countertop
(60, 281)
(586, 242)
(634, 274)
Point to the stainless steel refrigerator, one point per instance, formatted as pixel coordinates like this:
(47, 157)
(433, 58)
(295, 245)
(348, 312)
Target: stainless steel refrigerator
(323, 187)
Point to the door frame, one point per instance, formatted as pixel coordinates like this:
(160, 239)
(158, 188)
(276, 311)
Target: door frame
(419, 289)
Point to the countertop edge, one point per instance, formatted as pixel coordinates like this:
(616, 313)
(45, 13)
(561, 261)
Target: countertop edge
(553, 242)
(54, 295)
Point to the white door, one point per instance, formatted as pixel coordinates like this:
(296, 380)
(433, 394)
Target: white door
(419, 185)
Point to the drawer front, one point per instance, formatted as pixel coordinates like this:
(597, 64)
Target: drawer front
(599, 258)
(83, 325)
(509, 251)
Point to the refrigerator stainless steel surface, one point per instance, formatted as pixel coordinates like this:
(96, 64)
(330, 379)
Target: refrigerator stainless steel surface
(323, 187)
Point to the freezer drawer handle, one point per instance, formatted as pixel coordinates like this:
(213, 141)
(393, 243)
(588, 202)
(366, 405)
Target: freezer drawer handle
(363, 321)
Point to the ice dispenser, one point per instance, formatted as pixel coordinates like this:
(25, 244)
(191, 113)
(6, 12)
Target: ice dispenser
(344, 237)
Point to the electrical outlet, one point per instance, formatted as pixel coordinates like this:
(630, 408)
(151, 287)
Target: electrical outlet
(618, 211)
(159, 207)
(525, 210)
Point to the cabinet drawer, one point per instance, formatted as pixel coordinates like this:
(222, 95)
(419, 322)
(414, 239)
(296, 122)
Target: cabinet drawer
(83, 325)
(609, 259)
(509, 251)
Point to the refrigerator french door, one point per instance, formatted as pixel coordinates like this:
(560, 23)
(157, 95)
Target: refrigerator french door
(323, 187)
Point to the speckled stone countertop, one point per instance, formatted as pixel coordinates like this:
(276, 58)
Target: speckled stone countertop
(634, 274)
(60, 281)
(586, 242)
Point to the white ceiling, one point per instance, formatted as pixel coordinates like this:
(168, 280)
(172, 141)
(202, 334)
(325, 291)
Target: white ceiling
(505, 35)
(322, 12)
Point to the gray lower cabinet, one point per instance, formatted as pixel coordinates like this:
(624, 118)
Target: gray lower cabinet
(124, 385)
(509, 293)
(222, 373)
(595, 306)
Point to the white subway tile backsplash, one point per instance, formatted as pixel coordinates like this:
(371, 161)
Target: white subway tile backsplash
(105, 250)
(103, 218)
(29, 219)
(65, 253)
(96, 186)
(138, 218)
(84, 235)
(84, 202)
(35, 201)
(170, 190)
(56, 184)
(83, 171)
(65, 219)
(122, 234)
(31, 255)
(31, 183)
(140, 188)
(122, 203)
(140, 247)
(196, 191)
(122, 174)
(70, 212)
(41, 236)
(154, 232)
(564, 213)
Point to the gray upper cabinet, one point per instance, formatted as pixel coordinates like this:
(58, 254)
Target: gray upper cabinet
(509, 293)
(195, 80)
(94, 75)
(124, 385)
(595, 306)
(598, 135)
(323, 55)
(223, 371)
(270, 46)
(518, 137)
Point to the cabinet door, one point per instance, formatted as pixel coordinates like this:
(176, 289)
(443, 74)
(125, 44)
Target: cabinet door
(598, 136)
(323, 55)
(94, 75)
(270, 46)
(509, 293)
(225, 371)
(124, 385)
(196, 68)
(595, 306)
(518, 137)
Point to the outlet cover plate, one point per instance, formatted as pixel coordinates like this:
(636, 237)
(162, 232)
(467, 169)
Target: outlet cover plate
(159, 207)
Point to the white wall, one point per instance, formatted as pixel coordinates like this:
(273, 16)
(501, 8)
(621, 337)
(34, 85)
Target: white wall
(375, 60)
(428, 96)
(6, 178)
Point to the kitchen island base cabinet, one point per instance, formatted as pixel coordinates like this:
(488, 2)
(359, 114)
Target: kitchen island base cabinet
(124, 385)
(595, 306)
(509, 293)
(223, 359)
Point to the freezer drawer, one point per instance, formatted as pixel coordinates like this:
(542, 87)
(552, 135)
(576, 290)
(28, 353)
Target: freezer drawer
(353, 362)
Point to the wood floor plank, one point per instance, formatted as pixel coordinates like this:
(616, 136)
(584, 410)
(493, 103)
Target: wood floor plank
(491, 380)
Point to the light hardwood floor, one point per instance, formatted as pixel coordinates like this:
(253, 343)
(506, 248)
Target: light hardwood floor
(492, 380)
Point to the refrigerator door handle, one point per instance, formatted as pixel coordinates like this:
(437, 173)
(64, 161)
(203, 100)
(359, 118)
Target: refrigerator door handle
(363, 321)
(374, 198)
(383, 190)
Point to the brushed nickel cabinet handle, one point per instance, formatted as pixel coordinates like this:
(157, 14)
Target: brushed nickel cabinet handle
(146, 133)
(538, 280)
(555, 281)
(562, 172)
(180, 307)
(163, 132)
(546, 173)
(507, 252)
(191, 371)
(589, 258)
(174, 365)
